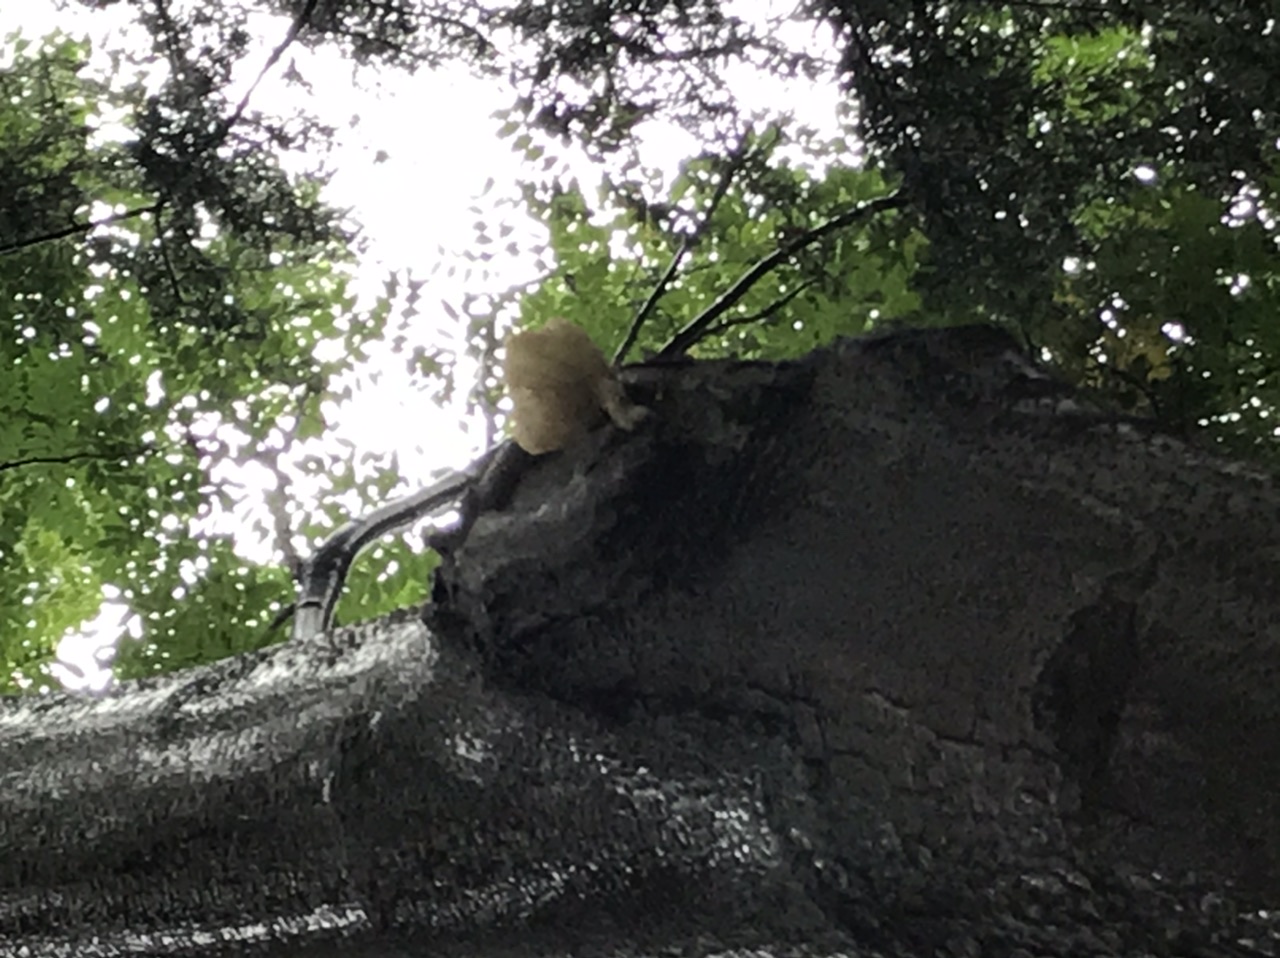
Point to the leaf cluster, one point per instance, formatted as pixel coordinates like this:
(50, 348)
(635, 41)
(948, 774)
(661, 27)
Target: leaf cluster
(163, 293)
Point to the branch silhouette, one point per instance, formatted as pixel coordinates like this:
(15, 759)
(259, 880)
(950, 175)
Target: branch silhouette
(74, 457)
(699, 325)
(732, 163)
(79, 229)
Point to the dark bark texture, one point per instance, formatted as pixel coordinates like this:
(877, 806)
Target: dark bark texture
(901, 649)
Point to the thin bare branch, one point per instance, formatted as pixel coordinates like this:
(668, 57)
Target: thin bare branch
(733, 162)
(295, 28)
(725, 325)
(79, 229)
(698, 326)
(116, 455)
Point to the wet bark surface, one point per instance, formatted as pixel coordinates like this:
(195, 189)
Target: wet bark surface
(902, 648)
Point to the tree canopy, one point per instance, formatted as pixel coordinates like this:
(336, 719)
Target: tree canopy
(1099, 178)
(162, 301)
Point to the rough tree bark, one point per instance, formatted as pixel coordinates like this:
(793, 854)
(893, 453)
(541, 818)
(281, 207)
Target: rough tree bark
(900, 649)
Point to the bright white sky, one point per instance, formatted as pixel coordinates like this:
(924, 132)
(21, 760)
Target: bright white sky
(438, 132)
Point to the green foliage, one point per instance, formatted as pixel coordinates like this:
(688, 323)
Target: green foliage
(1190, 295)
(188, 623)
(1101, 178)
(391, 575)
(1016, 134)
(1013, 131)
(609, 259)
(1171, 308)
(125, 391)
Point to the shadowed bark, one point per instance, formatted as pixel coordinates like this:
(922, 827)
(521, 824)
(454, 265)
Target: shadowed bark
(899, 649)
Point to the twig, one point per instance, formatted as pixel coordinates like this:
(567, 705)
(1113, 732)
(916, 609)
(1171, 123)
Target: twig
(177, 61)
(81, 228)
(322, 576)
(294, 29)
(73, 457)
(733, 162)
(765, 313)
(168, 263)
(697, 327)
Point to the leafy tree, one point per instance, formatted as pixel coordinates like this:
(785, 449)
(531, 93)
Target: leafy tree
(1016, 134)
(719, 214)
(1103, 179)
(162, 297)
(1099, 177)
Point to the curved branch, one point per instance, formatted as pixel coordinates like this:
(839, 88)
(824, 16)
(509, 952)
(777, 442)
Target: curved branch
(322, 576)
(732, 164)
(766, 313)
(698, 326)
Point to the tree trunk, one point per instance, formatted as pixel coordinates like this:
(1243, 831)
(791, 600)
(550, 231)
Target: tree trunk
(898, 649)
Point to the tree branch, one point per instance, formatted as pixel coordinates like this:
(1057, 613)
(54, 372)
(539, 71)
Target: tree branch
(698, 326)
(294, 29)
(76, 229)
(80, 229)
(73, 457)
(728, 324)
(733, 162)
